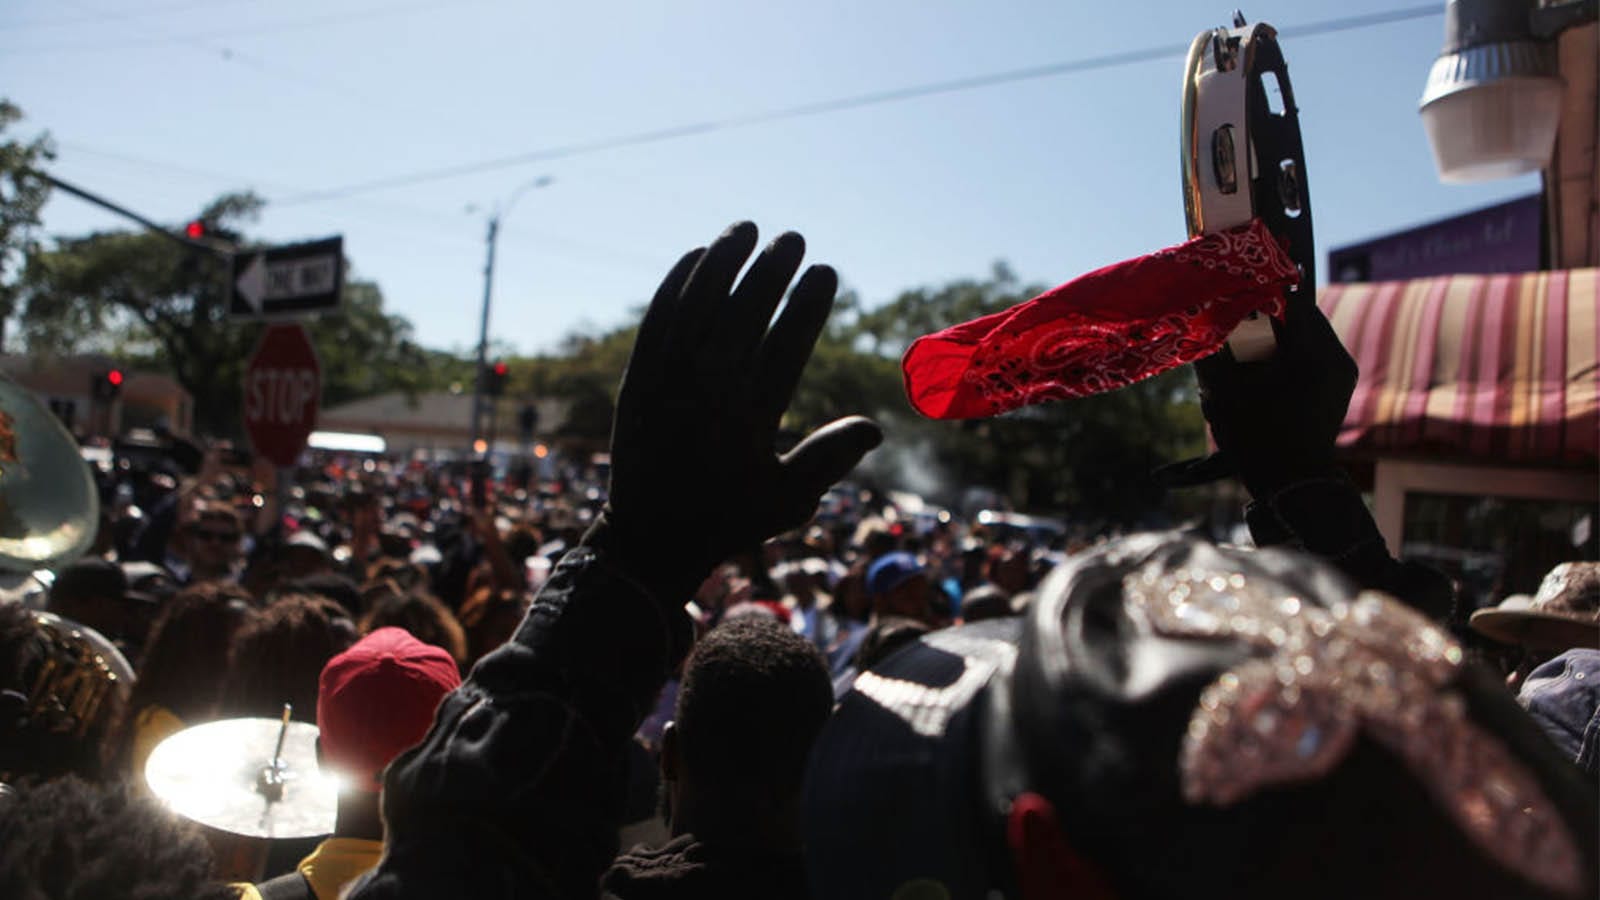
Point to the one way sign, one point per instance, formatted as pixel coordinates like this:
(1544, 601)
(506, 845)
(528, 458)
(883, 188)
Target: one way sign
(288, 281)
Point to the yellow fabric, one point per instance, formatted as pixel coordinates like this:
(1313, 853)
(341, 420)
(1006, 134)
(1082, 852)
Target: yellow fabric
(330, 868)
(154, 724)
(338, 861)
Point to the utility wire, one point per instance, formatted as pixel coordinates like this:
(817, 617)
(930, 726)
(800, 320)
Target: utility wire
(251, 31)
(858, 101)
(393, 216)
(114, 16)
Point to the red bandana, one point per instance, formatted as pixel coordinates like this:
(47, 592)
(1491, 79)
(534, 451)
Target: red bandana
(1104, 330)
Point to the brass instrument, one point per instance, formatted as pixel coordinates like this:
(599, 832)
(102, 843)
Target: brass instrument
(81, 680)
(75, 680)
(77, 684)
(49, 504)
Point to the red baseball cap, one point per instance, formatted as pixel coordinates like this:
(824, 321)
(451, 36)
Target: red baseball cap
(377, 699)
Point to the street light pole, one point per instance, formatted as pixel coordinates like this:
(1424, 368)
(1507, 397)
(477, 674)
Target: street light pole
(488, 292)
(483, 333)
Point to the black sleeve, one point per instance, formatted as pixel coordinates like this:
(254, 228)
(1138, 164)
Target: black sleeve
(518, 789)
(1324, 515)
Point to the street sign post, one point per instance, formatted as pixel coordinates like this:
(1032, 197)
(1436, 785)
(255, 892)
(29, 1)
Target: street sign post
(282, 393)
(287, 281)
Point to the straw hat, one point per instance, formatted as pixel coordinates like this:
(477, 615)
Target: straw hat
(1564, 614)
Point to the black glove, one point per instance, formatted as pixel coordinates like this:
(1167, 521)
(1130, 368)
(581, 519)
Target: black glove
(694, 473)
(1275, 421)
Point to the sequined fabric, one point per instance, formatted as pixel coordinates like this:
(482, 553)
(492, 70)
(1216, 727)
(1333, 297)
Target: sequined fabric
(1323, 677)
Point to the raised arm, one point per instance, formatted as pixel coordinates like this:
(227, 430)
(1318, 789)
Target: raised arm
(517, 789)
(1276, 422)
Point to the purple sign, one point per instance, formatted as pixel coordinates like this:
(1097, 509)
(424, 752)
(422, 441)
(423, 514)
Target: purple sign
(1501, 238)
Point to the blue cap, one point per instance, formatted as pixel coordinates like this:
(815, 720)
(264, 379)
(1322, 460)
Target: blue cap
(889, 571)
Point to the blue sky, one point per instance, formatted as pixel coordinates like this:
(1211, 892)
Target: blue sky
(163, 104)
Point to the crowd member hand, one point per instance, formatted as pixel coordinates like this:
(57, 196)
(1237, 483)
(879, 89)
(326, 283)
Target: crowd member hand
(1275, 421)
(694, 474)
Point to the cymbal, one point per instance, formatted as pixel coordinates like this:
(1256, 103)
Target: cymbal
(213, 774)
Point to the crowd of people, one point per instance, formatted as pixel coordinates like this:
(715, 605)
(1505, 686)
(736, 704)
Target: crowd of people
(768, 685)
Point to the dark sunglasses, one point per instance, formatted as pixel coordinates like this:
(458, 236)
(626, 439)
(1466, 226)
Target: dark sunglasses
(220, 536)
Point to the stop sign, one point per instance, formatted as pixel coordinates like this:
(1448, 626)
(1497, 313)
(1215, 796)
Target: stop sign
(282, 391)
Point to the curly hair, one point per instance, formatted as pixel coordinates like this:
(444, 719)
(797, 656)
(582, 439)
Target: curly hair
(278, 656)
(490, 618)
(67, 838)
(754, 697)
(427, 619)
(187, 656)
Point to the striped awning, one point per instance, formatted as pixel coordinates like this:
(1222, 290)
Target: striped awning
(1499, 368)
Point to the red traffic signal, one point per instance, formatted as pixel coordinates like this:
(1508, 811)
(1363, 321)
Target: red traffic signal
(195, 230)
(105, 384)
(494, 380)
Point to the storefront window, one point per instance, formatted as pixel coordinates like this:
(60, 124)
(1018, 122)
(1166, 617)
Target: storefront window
(1495, 546)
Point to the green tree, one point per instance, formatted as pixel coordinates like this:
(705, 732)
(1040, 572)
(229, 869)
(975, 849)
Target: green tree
(152, 302)
(366, 351)
(584, 371)
(1089, 458)
(22, 195)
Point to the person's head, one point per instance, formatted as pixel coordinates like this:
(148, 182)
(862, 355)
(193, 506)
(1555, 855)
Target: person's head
(304, 555)
(1173, 719)
(70, 838)
(986, 601)
(886, 635)
(1564, 614)
(489, 618)
(150, 588)
(329, 586)
(1008, 568)
(278, 655)
(377, 699)
(850, 600)
(186, 658)
(899, 586)
(424, 617)
(211, 539)
(753, 697)
(92, 592)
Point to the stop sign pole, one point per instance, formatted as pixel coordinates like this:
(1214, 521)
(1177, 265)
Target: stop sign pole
(282, 393)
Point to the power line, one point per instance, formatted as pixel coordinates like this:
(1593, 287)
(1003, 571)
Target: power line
(440, 226)
(110, 16)
(264, 28)
(858, 101)
(320, 83)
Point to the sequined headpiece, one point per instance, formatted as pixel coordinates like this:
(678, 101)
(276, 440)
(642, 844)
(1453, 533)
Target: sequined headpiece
(1325, 675)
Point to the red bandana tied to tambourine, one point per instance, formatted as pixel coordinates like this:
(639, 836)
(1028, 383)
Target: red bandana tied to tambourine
(1104, 330)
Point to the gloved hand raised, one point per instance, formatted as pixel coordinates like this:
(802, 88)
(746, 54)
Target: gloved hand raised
(694, 473)
(1276, 420)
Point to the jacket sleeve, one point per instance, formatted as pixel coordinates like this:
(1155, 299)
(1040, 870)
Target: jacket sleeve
(1324, 515)
(517, 791)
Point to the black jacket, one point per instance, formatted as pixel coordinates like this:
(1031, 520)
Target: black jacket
(519, 787)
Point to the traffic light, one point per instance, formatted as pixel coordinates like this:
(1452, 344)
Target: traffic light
(211, 234)
(105, 384)
(494, 383)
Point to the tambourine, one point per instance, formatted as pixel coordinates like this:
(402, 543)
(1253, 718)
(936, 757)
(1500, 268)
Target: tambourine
(1242, 155)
